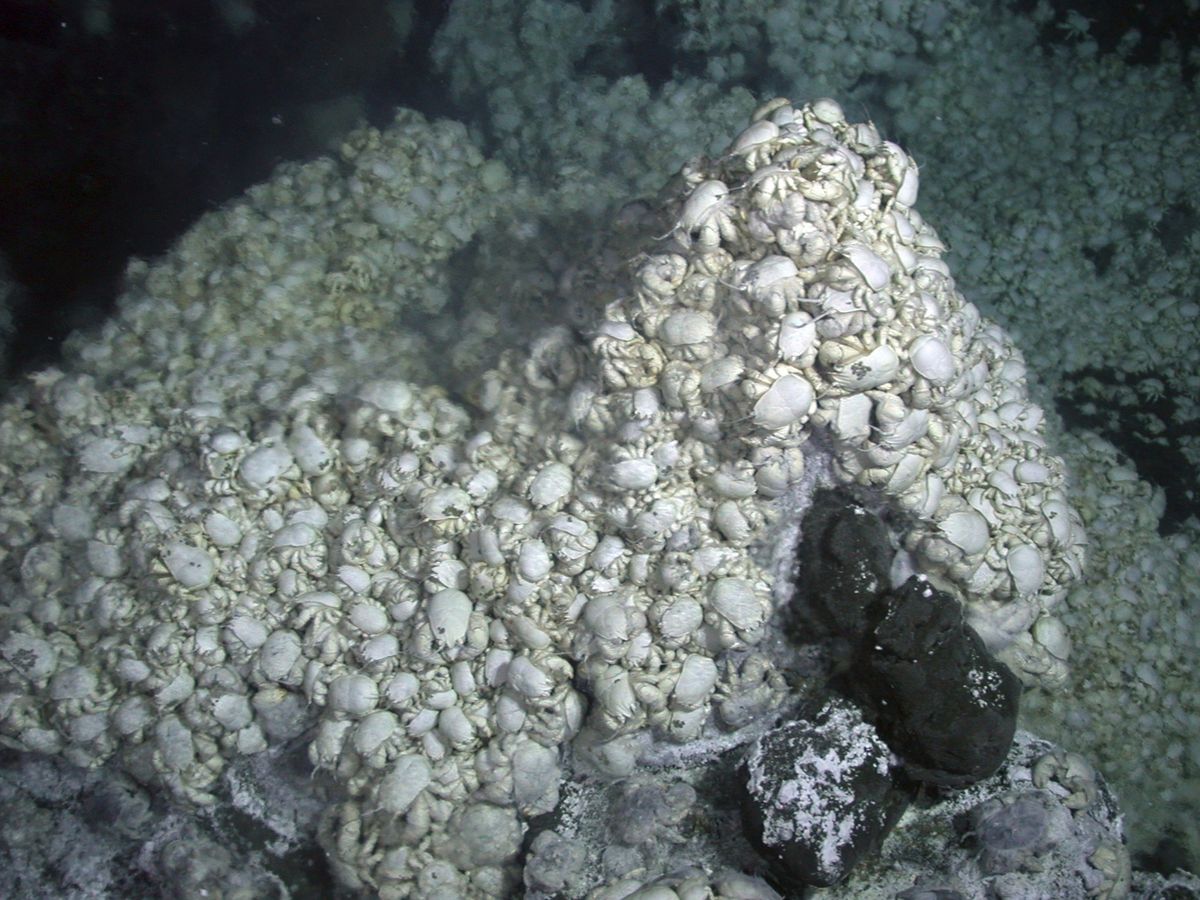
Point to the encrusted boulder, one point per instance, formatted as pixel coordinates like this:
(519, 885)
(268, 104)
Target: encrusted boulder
(819, 795)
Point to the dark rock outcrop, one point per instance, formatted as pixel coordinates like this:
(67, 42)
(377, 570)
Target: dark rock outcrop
(819, 795)
(944, 705)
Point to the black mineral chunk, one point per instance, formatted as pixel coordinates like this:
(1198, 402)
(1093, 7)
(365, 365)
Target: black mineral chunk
(818, 796)
(944, 705)
(842, 565)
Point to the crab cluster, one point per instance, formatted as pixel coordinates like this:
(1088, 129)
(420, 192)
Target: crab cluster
(446, 597)
(799, 293)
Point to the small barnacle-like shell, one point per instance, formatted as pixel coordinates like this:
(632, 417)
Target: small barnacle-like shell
(685, 327)
(1025, 565)
(633, 474)
(449, 613)
(533, 560)
(695, 683)
(967, 530)
(191, 567)
(551, 485)
(409, 776)
(931, 359)
(786, 402)
(527, 679)
(373, 730)
(264, 465)
(32, 657)
(738, 602)
(353, 695)
(681, 618)
(870, 371)
(279, 654)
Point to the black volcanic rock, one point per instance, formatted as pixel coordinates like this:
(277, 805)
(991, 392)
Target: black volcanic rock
(842, 567)
(944, 705)
(818, 795)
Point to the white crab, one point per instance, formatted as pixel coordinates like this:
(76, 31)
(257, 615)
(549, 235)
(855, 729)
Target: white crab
(709, 215)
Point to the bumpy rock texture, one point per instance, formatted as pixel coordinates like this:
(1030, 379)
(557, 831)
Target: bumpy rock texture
(230, 519)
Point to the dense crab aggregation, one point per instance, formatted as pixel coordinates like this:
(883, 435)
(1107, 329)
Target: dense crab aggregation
(456, 596)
